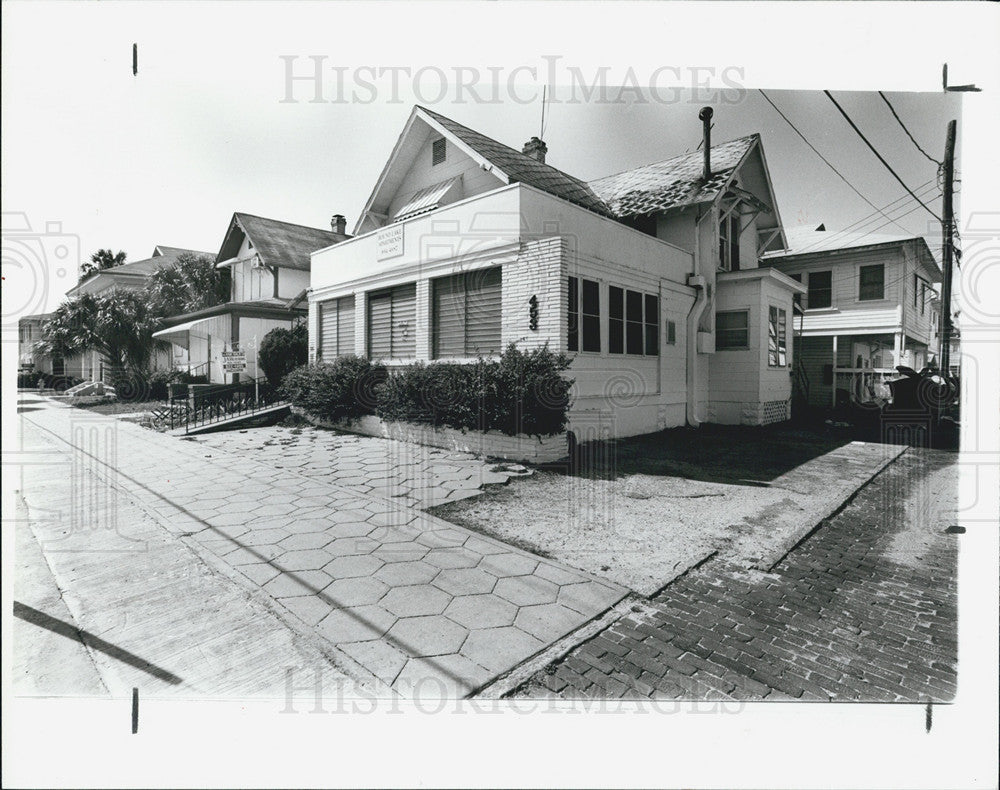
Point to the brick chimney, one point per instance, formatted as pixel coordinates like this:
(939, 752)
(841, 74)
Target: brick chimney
(338, 222)
(536, 149)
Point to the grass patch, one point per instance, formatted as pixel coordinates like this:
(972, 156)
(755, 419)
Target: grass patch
(113, 406)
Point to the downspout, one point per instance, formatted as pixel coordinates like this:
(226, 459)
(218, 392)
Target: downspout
(697, 282)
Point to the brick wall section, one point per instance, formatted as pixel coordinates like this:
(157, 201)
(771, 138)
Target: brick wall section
(425, 320)
(360, 324)
(865, 609)
(538, 271)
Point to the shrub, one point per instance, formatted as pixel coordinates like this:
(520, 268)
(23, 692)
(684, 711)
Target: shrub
(159, 382)
(522, 392)
(283, 350)
(340, 390)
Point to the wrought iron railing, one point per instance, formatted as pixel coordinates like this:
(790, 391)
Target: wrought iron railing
(216, 403)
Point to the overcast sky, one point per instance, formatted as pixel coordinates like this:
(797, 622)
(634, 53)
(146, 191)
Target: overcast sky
(166, 156)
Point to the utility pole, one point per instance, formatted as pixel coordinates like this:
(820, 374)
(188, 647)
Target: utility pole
(948, 229)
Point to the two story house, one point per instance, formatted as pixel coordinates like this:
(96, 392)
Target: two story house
(869, 306)
(269, 264)
(90, 366)
(649, 279)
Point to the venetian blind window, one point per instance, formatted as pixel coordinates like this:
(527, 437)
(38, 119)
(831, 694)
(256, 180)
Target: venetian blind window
(438, 151)
(732, 330)
(633, 322)
(776, 338)
(820, 290)
(871, 282)
(336, 328)
(729, 242)
(467, 316)
(583, 311)
(392, 323)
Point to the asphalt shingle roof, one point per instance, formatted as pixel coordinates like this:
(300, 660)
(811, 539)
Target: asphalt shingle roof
(280, 243)
(674, 182)
(523, 168)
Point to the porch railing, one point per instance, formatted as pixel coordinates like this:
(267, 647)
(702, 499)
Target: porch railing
(216, 403)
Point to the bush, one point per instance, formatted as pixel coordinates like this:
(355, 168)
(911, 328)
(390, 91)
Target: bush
(344, 389)
(524, 392)
(159, 382)
(283, 350)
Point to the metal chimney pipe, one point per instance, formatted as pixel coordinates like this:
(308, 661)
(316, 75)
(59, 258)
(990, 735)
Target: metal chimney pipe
(705, 116)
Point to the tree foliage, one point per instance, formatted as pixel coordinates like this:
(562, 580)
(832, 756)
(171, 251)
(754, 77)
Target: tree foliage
(102, 259)
(283, 350)
(116, 323)
(193, 284)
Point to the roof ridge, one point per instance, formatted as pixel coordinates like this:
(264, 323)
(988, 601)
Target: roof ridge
(283, 222)
(535, 162)
(671, 158)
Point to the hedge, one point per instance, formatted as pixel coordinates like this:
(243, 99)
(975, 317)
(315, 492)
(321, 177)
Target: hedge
(522, 392)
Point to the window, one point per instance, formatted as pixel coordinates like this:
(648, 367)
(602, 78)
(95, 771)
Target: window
(392, 323)
(871, 282)
(438, 151)
(671, 333)
(924, 287)
(729, 242)
(732, 330)
(916, 289)
(467, 314)
(633, 322)
(584, 315)
(920, 288)
(336, 328)
(820, 290)
(776, 341)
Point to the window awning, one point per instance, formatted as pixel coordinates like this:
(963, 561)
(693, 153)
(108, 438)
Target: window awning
(428, 199)
(181, 333)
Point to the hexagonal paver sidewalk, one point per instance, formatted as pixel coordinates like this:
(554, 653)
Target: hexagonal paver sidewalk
(426, 607)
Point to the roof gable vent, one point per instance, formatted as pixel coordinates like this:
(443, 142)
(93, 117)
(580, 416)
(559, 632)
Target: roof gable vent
(438, 151)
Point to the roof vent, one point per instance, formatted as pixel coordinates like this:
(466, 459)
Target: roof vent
(536, 149)
(705, 116)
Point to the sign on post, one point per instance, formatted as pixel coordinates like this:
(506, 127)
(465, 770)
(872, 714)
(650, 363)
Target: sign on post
(234, 361)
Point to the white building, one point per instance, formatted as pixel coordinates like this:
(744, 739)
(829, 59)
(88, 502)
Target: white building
(269, 265)
(869, 306)
(648, 278)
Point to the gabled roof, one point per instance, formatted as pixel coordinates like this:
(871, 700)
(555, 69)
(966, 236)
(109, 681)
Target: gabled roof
(519, 167)
(675, 182)
(278, 243)
(805, 241)
(507, 164)
(162, 258)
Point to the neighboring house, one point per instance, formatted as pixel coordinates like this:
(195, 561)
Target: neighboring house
(648, 278)
(29, 332)
(868, 307)
(90, 366)
(955, 350)
(269, 263)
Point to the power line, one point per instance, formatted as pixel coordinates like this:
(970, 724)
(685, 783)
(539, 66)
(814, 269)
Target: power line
(878, 155)
(858, 226)
(827, 161)
(903, 126)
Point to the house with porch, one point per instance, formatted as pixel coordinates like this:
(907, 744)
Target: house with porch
(90, 366)
(649, 279)
(869, 305)
(269, 264)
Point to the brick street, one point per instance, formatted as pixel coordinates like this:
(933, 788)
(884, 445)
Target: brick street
(864, 609)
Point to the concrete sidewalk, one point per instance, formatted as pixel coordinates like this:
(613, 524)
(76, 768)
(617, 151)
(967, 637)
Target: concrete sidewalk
(393, 595)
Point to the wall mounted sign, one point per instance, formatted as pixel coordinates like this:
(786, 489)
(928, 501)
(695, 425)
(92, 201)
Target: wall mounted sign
(533, 313)
(389, 242)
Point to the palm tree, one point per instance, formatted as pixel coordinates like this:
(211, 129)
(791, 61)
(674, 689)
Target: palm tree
(102, 259)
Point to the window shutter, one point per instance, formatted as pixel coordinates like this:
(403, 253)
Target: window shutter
(404, 322)
(449, 318)
(482, 312)
(328, 330)
(345, 326)
(380, 325)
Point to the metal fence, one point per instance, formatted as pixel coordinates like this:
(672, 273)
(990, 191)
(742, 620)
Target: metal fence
(216, 403)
